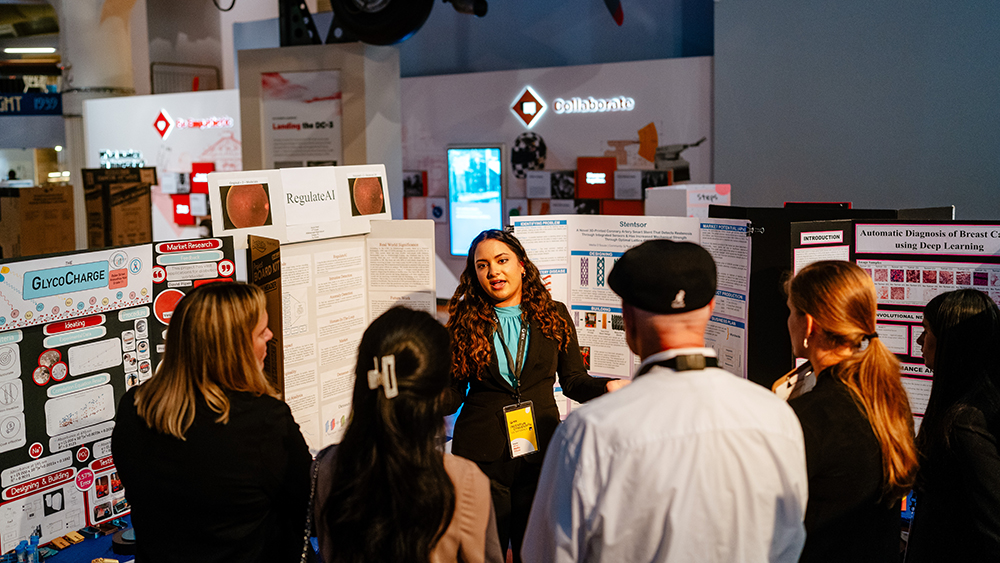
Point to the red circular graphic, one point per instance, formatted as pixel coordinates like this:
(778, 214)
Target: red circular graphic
(159, 274)
(84, 479)
(82, 454)
(226, 268)
(59, 371)
(36, 450)
(41, 375)
(163, 305)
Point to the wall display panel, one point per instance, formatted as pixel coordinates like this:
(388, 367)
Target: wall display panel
(638, 106)
(168, 132)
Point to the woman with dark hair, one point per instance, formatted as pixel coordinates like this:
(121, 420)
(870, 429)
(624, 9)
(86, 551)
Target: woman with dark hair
(207, 431)
(387, 492)
(957, 516)
(510, 340)
(856, 421)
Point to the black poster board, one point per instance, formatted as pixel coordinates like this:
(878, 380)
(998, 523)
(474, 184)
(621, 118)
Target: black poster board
(769, 354)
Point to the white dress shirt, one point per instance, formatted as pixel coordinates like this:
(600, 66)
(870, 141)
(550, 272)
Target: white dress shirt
(688, 466)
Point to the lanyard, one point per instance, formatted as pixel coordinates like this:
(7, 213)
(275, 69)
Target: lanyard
(514, 367)
(682, 363)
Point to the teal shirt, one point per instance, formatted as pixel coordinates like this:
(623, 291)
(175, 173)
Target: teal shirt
(510, 324)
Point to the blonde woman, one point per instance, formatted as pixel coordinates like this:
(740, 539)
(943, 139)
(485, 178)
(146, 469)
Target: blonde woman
(214, 466)
(856, 421)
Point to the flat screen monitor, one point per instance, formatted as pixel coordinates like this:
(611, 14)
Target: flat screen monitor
(477, 185)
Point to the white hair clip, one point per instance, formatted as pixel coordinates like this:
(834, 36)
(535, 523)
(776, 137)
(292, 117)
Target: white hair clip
(386, 378)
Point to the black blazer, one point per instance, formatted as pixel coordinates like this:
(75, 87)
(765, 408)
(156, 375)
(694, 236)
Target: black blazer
(479, 431)
(243, 484)
(847, 518)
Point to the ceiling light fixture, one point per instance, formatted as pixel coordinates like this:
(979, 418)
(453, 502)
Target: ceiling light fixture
(29, 50)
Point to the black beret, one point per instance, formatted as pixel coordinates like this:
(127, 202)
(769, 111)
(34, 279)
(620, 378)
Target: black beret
(665, 277)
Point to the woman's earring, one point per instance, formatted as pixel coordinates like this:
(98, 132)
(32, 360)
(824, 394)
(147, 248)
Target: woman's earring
(805, 343)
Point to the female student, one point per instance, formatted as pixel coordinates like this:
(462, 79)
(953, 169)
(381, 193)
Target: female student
(387, 492)
(510, 340)
(957, 516)
(206, 442)
(856, 421)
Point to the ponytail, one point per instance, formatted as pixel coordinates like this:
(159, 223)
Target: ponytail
(872, 377)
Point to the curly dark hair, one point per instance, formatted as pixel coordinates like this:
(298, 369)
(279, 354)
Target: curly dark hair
(471, 322)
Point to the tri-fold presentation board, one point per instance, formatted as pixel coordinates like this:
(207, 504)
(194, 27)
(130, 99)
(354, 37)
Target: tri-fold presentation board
(77, 331)
(910, 263)
(575, 254)
(323, 247)
(328, 292)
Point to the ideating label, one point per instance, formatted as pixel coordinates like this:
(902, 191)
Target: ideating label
(75, 324)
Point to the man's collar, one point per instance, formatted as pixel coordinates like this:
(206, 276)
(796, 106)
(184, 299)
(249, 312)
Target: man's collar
(674, 352)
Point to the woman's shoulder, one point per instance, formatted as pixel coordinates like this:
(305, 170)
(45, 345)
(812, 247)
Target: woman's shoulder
(461, 470)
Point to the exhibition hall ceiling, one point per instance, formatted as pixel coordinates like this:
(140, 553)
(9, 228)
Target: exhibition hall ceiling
(27, 24)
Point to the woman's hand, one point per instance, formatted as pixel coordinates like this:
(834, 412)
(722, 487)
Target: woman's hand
(616, 384)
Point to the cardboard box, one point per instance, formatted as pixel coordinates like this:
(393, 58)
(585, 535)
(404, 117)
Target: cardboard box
(686, 200)
(119, 206)
(36, 221)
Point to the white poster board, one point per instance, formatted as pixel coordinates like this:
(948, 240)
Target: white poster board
(574, 255)
(331, 291)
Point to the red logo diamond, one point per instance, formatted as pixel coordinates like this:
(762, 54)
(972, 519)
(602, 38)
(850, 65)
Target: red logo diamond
(528, 107)
(163, 124)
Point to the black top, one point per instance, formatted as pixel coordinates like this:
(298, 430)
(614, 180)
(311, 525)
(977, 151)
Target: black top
(957, 516)
(479, 431)
(846, 517)
(229, 492)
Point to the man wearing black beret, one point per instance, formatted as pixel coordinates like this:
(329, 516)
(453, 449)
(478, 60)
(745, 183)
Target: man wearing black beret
(689, 462)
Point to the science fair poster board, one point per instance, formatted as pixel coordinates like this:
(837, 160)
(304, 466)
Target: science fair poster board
(179, 267)
(76, 332)
(330, 291)
(73, 329)
(575, 254)
(910, 262)
(298, 204)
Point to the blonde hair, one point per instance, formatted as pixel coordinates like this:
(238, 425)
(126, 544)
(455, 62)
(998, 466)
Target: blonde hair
(209, 350)
(841, 299)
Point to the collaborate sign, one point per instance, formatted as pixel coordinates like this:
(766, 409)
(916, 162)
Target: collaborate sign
(593, 105)
(529, 106)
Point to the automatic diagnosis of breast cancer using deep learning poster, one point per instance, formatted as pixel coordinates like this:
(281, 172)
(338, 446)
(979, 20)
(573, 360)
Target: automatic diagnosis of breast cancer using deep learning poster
(911, 263)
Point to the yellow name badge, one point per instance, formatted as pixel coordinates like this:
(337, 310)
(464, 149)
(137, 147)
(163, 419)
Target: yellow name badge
(520, 420)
